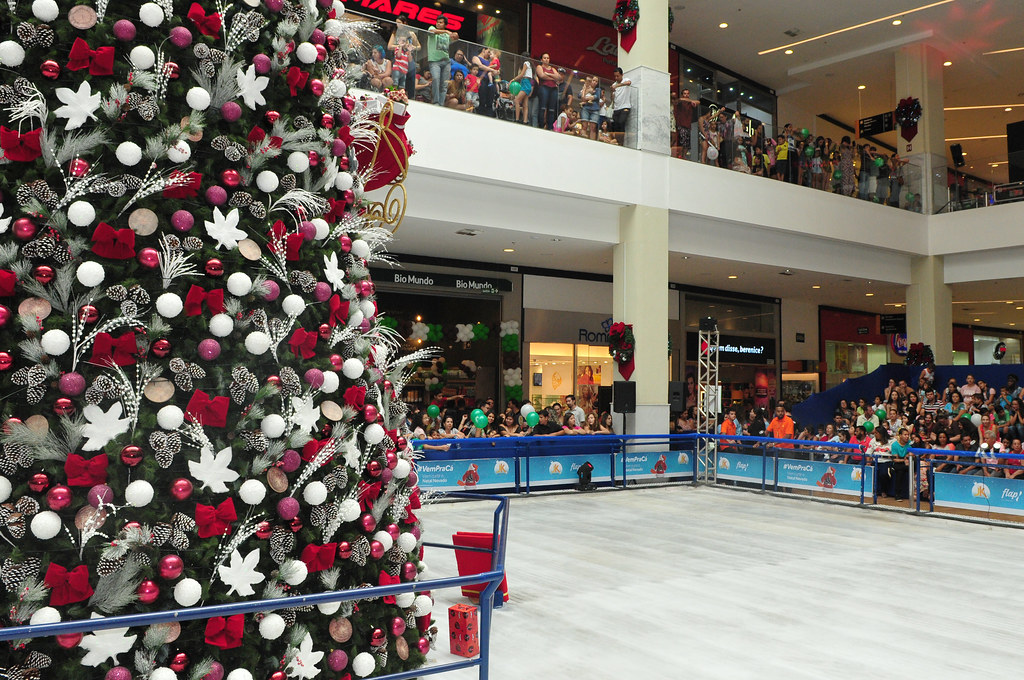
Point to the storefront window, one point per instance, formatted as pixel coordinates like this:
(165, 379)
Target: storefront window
(993, 349)
(732, 315)
(558, 369)
(847, 360)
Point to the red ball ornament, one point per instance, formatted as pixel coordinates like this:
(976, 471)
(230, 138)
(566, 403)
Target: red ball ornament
(278, 675)
(63, 407)
(179, 662)
(69, 640)
(161, 348)
(181, 489)
(24, 228)
(343, 162)
(392, 460)
(314, 159)
(321, 53)
(88, 314)
(214, 267)
(295, 525)
(346, 243)
(172, 70)
(6, 361)
(149, 258)
(423, 645)
(344, 550)
(272, 116)
(148, 591)
(388, 387)
(397, 626)
(370, 413)
(316, 87)
(332, 42)
(349, 196)
(5, 315)
(336, 361)
(409, 571)
(374, 468)
(78, 167)
(43, 273)
(50, 69)
(274, 380)
(325, 331)
(131, 455)
(231, 178)
(58, 498)
(264, 530)
(376, 550)
(39, 482)
(171, 567)
(393, 531)
(327, 120)
(368, 522)
(377, 637)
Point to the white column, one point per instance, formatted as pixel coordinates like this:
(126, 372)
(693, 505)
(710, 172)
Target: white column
(646, 66)
(919, 74)
(930, 307)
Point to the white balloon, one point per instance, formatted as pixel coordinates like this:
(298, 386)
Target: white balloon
(187, 592)
(252, 492)
(298, 161)
(221, 325)
(55, 342)
(169, 305)
(170, 417)
(239, 284)
(315, 493)
(11, 53)
(198, 98)
(527, 409)
(81, 213)
(139, 493)
(142, 57)
(272, 426)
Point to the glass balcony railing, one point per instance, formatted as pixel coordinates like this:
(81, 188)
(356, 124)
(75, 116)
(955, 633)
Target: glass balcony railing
(486, 81)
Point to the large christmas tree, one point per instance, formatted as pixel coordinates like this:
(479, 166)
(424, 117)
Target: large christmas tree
(199, 400)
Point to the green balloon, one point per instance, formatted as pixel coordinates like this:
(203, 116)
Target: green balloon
(869, 426)
(476, 412)
(838, 174)
(805, 132)
(532, 419)
(433, 411)
(879, 162)
(808, 151)
(480, 420)
(880, 413)
(514, 87)
(910, 196)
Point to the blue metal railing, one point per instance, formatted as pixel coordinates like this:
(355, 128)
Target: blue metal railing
(489, 599)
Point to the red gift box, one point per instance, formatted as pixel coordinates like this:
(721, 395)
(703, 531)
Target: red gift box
(464, 630)
(473, 562)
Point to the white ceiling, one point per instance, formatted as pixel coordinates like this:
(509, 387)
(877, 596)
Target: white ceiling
(962, 30)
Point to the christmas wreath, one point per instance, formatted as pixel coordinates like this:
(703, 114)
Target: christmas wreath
(621, 346)
(908, 113)
(627, 13)
(920, 354)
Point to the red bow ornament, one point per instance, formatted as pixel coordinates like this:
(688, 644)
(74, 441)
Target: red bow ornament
(67, 587)
(292, 242)
(196, 296)
(183, 185)
(386, 579)
(100, 62)
(206, 411)
(311, 448)
(213, 521)
(258, 134)
(83, 472)
(108, 350)
(21, 147)
(225, 632)
(336, 211)
(8, 280)
(207, 25)
(116, 244)
(338, 311)
(368, 493)
(319, 557)
(303, 343)
(296, 79)
(355, 396)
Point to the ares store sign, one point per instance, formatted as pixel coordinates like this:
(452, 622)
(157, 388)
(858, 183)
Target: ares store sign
(733, 349)
(419, 14)
(430, 280)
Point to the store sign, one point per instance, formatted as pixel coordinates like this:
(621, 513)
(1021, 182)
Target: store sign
(737, 350)
(573, 41)
(898, 342)
(419, 15)
(469, 284)
(876, 124)
(595, 337)
(890, 324)
(548, 325)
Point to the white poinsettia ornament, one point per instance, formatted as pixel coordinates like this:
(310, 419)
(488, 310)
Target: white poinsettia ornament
(334, 274)
(224, 229)
(103, 426)
(106, 644)
(251, 87)
(242, 573)
(305, 660)
(79, 105)
(306, 414)
(213, 470)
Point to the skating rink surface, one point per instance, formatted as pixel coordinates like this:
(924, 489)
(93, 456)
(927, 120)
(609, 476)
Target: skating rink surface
(683, 582)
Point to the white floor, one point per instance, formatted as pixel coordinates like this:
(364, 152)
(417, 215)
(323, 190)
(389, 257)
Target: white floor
(684, 582)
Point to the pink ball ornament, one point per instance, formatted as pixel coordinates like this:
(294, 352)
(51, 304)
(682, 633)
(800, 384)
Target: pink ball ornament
(337, 361)
(321, 53)
(397, 626)
(209, 349)
(376, 550)
(415, 531)
(72, 384)
(171, 567)
(370, 413)
(124, 31)
(291, 460)
(262, 63)
(423, 645)
(274, 5)
(182, 220)
(344, 550)
(216, 672)
(308, 230)
(344, 117)
(148, 591)
(181, 37)
(24, 228)
(216, 195)
(181, 489)
(412, 479)
(409, 571)
(322, 292)
(392, 459)
(393, 531)
(317, 37)
(346, 243)
(118, 672)
(368, 523)
(337, 660)
(58, 498)
(149, 258)
(338, 147)
(314, 377)
(69, 640)
(314, 159)
(231, 178)
(386, 475)
(101, 494)
(231, 111)
(273, 291)
(78, 167)
(316, 87)
(364, 325)
(288, 508)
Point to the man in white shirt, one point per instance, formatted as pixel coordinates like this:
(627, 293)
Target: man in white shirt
(571, 407)
(622, 95)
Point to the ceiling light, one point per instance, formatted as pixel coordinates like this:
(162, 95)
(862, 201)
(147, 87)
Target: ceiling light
(977, 319)
(723, 25)
(1010, 49)
(869, 295)
(1020, 307)
(861, 87)
(1008, 108)
(479, 6)
(508, 250)
(967, 139)
(972, 108)
(1013, 324)
(947, 63)
(788, 52)
(897, 22)
(856, 26)
(815, 287)
(1009, 302)
(733, 276)
(497, 11)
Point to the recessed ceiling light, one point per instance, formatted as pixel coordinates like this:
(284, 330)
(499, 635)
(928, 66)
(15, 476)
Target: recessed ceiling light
(733, 276)
(788, 52)
(869, 295)
(497, 11)
(508, 250)
(815, 287)
(861, 87)
(479, 6)
(1008, 108)
(1020, 307)
(897, 22)
(1013, 324)
(977, 319)
(947, 63)
(723, 25)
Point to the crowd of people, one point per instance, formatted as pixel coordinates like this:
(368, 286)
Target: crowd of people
(553, 421)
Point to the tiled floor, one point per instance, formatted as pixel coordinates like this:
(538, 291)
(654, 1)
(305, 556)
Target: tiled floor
(683, 582)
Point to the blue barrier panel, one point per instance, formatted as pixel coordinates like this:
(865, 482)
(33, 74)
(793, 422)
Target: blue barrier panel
(561, 470)
(816, 475)
(744, 467)
(465, 474)
(656, 464)
(979, 493)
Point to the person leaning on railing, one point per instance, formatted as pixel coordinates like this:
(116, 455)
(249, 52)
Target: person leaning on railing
(881, 451)
(900, 470)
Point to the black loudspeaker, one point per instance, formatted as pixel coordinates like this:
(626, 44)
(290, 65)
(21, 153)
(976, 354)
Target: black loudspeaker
(957, 152)
(604, 398)
(1015, 150)
(624, 396)
(676, 396)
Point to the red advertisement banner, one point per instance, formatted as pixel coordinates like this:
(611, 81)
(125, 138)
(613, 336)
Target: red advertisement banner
(572, 41)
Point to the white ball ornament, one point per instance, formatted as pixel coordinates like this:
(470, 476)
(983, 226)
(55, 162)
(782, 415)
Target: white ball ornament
(349, 510)
(257, 343)
(151, 14)
(294, 572)
(272, 626)
(239, 284)
(163, 673)
(352, 368)
(198, 98)
(5, 489)
(142, 57)
(331, 382)
(272, 426)
(343, 181)
(374, 433)
(355, 319)
(55, 342)
(239, 674)
(11, 53)
(45, 10)
(252, 492)
(293, 305)
(44, 615)
(402, 469)
(128, 153)
(384, 538)
(367, 308)
(267, 181)
(328, 608)
(323, 229)
(46, 525)
(306, 52)
(315, 493)
(170, 417)
(139, 493)
(187, 592)
(90, 274)
(333, 27)
(364, 664)
(422, 605)
(360, 248)
(405, 600)
(169, 305)
(221, 325)
(339, 8)
(406, 542)
(180, 152)
(81, 213)
(298, 161)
